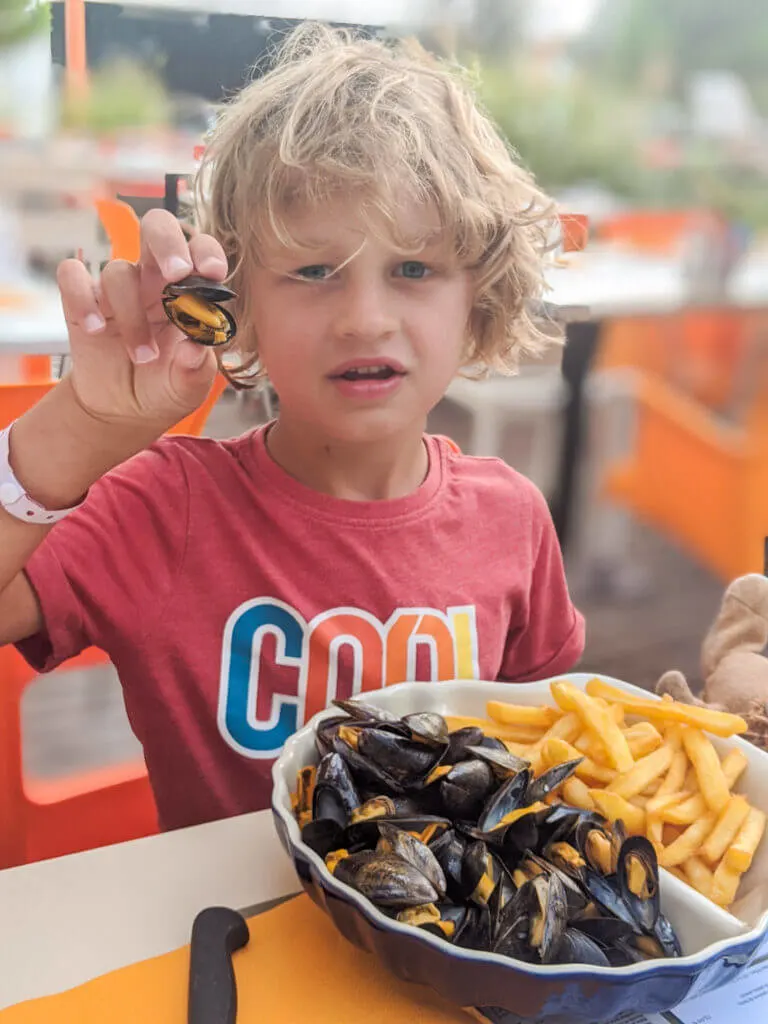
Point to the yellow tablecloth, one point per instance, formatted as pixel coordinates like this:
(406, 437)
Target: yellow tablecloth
(296, 968)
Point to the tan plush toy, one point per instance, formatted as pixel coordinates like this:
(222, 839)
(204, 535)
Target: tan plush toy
(734, 667)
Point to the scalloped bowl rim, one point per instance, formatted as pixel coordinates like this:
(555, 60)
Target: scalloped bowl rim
(672, 966)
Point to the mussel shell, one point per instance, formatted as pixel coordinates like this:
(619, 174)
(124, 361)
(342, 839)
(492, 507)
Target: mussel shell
(500, 759)
(326, 730)
(577, 948)
(665, 935)
(367, 771)
(475, 931)
(480, 873)
(565, 823)
(449, 848)
(385, 879)
(210, 291)
(385, 807)
(549, 780)
(450, 913)
(406, 760)
(606, 931)
(403, 844)
(458, 742)
(510, 796)
(323, 836)
(335, 795)
(464, 789)
(645, 910)
(550, 904)
(427, 726)
(198, 331)
(605, 892)
(361, 711)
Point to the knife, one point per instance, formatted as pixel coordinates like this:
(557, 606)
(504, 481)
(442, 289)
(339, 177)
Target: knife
(217, 933)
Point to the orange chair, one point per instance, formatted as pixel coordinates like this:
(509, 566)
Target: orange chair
(655, 231)
(700, 481)
(50, 818)
(42, 819)
(122, 228)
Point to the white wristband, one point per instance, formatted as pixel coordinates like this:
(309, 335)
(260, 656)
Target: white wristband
(13, 497)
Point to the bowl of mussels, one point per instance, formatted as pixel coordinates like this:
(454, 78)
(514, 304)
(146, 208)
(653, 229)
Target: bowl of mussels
(558, 851)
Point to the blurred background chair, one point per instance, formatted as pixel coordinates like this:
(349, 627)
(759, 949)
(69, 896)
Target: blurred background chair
(42, 818)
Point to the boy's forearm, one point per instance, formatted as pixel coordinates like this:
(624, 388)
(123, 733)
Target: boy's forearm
(58, 449)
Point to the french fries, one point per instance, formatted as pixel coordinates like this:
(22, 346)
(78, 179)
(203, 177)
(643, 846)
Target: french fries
(709, 771)
(719, 723)
(650, 764)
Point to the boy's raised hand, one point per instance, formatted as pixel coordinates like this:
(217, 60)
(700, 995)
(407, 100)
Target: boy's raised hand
(130, 365)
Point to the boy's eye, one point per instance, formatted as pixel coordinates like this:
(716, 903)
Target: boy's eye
(414, 269)
(314, 272)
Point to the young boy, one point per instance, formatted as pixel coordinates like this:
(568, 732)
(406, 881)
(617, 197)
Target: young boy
(379, 237)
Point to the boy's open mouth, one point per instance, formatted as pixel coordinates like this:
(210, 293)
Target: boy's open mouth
(370, 371)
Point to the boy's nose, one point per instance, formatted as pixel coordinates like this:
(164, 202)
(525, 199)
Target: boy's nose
(366, 311)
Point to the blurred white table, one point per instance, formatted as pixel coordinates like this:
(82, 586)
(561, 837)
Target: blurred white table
(67, 920)
(31, 320)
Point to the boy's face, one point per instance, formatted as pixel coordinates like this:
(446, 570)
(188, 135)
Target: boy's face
(362, 354)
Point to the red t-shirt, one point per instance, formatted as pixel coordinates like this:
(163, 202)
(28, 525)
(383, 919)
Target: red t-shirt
(235, 602)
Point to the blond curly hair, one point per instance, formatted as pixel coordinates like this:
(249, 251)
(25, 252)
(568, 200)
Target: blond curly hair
(339, 112)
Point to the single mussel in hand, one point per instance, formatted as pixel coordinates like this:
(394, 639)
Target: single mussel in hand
(385, 879)
(194, 306)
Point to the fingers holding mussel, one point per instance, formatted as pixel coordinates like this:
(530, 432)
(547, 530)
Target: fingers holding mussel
(194, 305)
(453, 834)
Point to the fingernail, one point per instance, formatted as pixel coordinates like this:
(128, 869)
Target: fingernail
(145, 354)
(94, 323)
(175, 268)
(213, 267)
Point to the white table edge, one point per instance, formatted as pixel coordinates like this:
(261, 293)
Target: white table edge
(67, 920)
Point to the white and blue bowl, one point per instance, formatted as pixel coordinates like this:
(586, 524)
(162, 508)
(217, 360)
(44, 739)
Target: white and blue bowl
(717, 945)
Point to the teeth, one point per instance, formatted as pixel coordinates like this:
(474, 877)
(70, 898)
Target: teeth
(369, 369)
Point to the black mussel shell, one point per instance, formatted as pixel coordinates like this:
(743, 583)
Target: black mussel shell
(449, 848)
(576, 947)
(335, 795)
(451, 920)
(637, 857)
(323, 835)
(480, 873)
(458, 742)
(326, 730)
(408, 761)
(549, 915)
(549, 780)
(464, 789)
(501, 760)
(510, 796)
(210, 291)
(604, 891)
(385, 807)
(361, 711)
(385, 879)
(476, 929)
(403, 844)
(665, 935)
(367, 771)
(427, 726)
